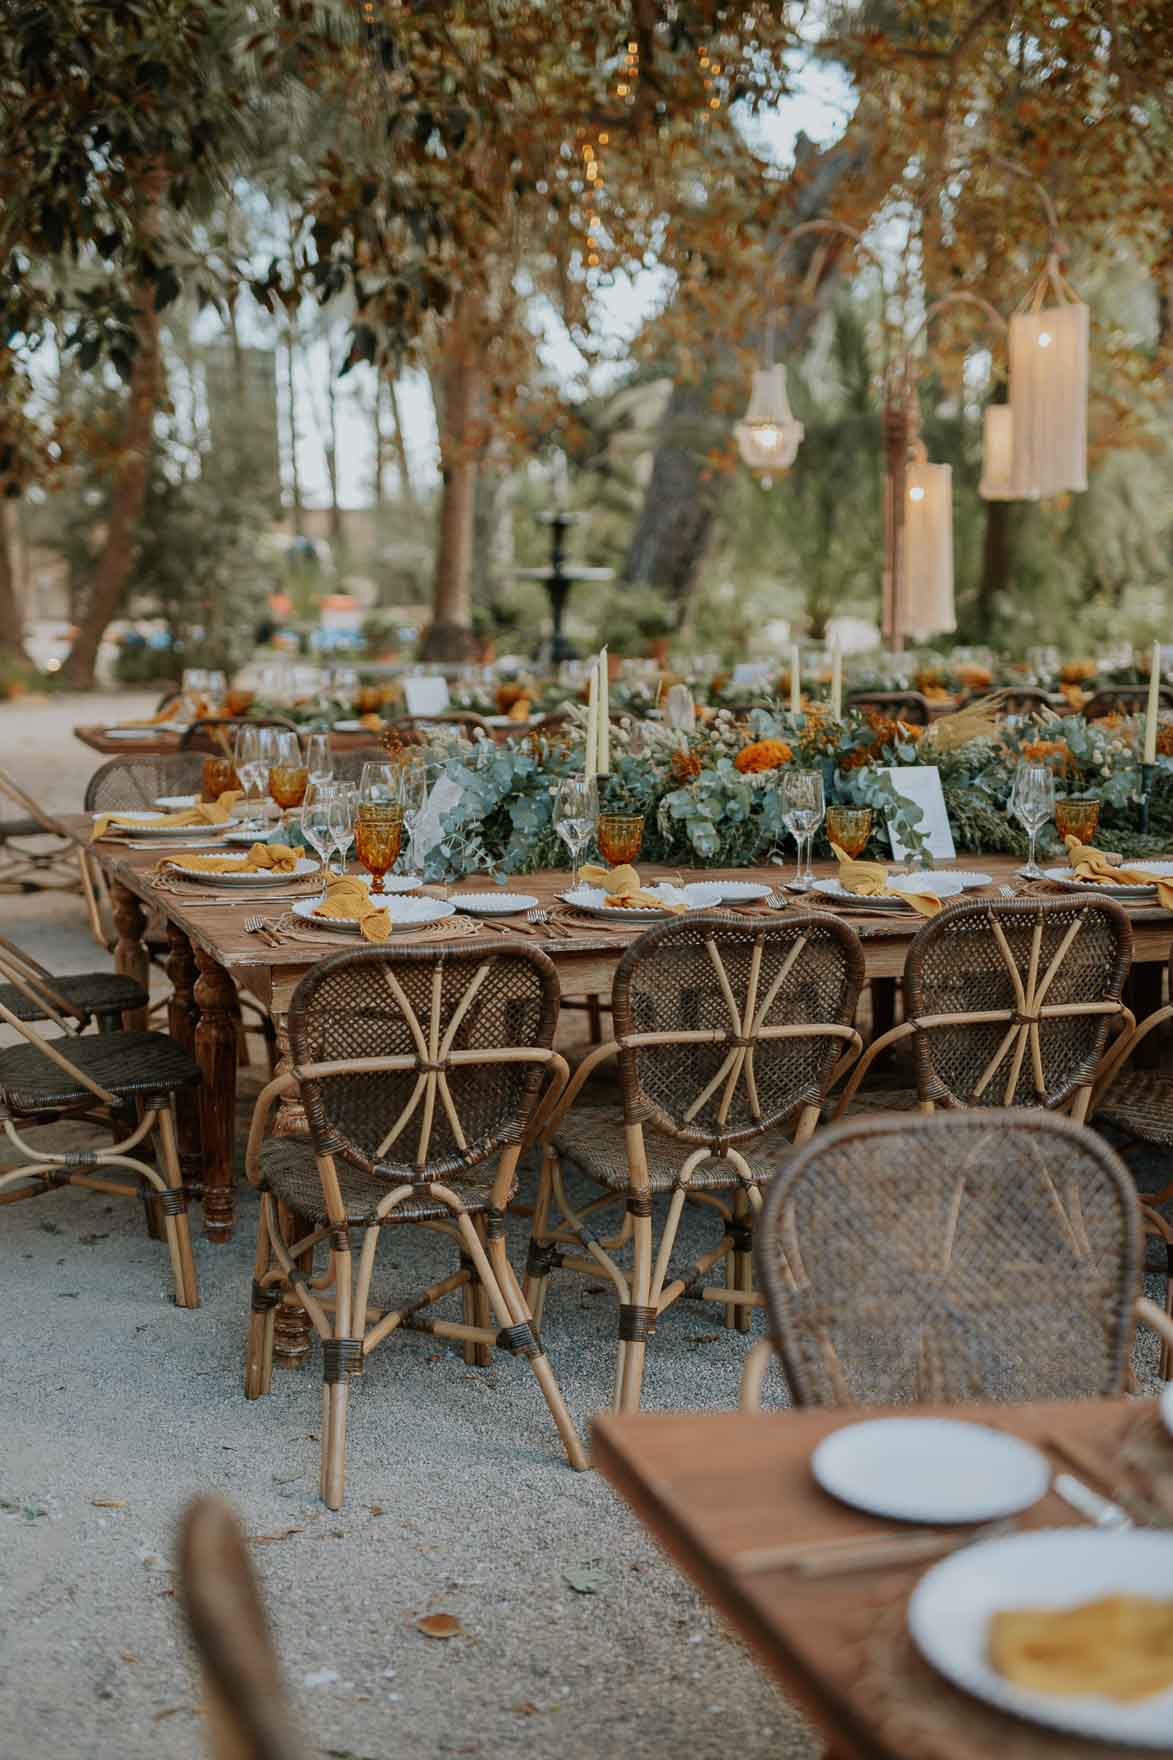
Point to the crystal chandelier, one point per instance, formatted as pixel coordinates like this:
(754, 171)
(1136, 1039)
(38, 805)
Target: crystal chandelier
(768, 436)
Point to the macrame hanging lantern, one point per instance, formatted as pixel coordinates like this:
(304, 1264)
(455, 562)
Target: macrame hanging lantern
(997, 482)
(768, 437)
(1048, 389)
(927, 598)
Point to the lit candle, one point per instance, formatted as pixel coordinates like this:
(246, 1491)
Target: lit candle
(836, 683)
(603, 735)
(795, 680)
(590, 766)
(1150, 720)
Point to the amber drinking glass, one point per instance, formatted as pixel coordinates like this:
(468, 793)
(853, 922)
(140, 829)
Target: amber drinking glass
(619, 837)
(1077, 816)
(219, 776)
(378, 833)
(849, 827)
(288, 772)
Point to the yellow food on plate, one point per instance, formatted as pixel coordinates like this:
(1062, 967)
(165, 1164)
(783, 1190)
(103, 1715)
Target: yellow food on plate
(1120, 1647)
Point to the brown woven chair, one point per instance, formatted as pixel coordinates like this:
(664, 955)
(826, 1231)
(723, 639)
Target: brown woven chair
(39, 869)
(217, 733)
(245, 1709)
(101, 997)
(987, 1256)
(415, 1068)
(728, 1033)
(1122, 699)
(1008, 1003)
(908, 706)
(98, 1079)
(131, 785)
(1022, 699)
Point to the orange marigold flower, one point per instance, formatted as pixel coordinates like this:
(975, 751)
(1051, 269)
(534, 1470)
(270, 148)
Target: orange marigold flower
(1165, 740)
(1048, 751)
(763, 754)
(975, 678)
(1075, 671)
(507, 695)
(685, 765)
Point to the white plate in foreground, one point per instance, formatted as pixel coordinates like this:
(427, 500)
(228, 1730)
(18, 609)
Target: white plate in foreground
(940, 885)
(494, 904)
(950, 1610)
(1065, 878)
(740, 891)
(592, 899)
(930, 1470)
(245, 877)
(923, 879)
(404, 913)
(146, 824)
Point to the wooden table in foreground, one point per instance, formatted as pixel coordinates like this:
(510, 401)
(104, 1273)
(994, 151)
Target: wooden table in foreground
(712, 1486)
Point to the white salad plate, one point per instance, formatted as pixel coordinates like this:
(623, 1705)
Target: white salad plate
(940, 885)
(245, 877)
(950, 1609)
(593, 900)
(352, 727)
(404, 912)
(740, 891)
(147, 732)
(930, 1470)
(1159, 870)
(135, 824)
(494, 904)
(923, 879)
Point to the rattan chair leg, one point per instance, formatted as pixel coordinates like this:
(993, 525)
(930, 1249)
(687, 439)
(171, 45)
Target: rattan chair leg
(258, 1354)
(187, 1293)
(337, 1386)
(540, 1364)
(753, 1374)
(635, 1349)
(742, 1267)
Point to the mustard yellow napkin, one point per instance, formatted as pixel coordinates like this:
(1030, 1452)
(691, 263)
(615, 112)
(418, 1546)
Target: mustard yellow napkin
(870, 880)
(347, 898)
(1120, 1646)
(624, 890)
(273, 858)
(215, 812)
(1093, 864)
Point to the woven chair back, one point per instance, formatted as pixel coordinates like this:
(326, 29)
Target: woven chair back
(348, 765)
(977, 1256)
(908, 706)
(469, 1032)
(217, 734)
(727, 1025)
(1014, 998)
(1019, 699)
(128, 784)
(1122, 699)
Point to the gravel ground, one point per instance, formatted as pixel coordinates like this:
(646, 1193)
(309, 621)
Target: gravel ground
(458, 1499)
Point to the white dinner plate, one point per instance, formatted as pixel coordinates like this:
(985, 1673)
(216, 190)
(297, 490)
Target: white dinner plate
(404, 913)
(354, 727)
(1065, 878)
(930, 1469)
(176, 803)
(144, 824)
(146, 732)
(940, 885)
(921, 879)
(245, 877)
(740, 891)
(950, 1609)
(592, 900)
(507, 721)
(494, 904)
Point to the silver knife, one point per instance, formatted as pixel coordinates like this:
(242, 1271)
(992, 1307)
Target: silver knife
(1100, 1511)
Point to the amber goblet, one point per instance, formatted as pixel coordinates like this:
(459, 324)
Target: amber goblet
(849, 827)
(1077, 816)
(378, 834)
(287, 784)
(219, 775)
(619, 837)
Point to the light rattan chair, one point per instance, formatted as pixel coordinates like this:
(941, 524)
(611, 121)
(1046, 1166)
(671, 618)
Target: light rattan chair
(1008, 1003)
(40, 869)
(97, 1079)
(246, 1713)
(728, 1034)
(979, 1256)
(416, 1068)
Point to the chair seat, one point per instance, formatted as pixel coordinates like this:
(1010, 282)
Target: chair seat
(290, 1173)
(1141, 1103)
(124, 1063)
(593, 1138)
(91, 992)
(875, 1100)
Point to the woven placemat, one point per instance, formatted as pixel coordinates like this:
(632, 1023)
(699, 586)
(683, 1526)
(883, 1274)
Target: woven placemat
(448, 929)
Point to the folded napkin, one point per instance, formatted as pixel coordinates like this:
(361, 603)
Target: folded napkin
(624, 890)
(1120, 1647)
(347, 898)
(216, 812)
(870, 880)
(273, 858)
(1093, 864)
(167, 713)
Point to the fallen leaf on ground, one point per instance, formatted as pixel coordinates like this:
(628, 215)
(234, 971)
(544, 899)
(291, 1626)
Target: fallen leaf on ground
(585, 1579)
(128, 1656)
(376, 1509)
(281, 1534)
(440, 1625)
(109, 1502)
(527, 1708)
(170, 1711)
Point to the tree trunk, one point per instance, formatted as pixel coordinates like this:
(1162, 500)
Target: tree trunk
(11, 610)
(684, 492)
(449, 636)
(290, 396)
(996, 563)
(331, 451)
(380, 441)
(406, 486)
(132, 469)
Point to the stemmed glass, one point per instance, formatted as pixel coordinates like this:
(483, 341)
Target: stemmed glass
(413, 791)
(288, 774)
(576, 807)
(378, 830)
(251, 758)
(802, 813)
(1032, 800)
(315, 819)
(318, 760)
(341, 820)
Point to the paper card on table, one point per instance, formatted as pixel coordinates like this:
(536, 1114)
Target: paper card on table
(429, 827)
(426, 696)
(751, 672)
(921, 784)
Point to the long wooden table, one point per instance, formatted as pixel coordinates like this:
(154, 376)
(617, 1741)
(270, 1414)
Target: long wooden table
(163, 743)
(713, 1487)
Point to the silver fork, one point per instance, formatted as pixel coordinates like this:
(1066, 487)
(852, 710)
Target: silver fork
(776, 902)
(258, 926)
(541, 919)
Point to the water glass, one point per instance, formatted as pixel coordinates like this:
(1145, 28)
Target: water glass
(576, 806)
(802, 814)
(288, 774)
(620, 836)
(315, 820)
(1077, 816)
(318, 759)
(850, 828)
(413, 792)
(1032, 800)
(342, 802)
(378, 825)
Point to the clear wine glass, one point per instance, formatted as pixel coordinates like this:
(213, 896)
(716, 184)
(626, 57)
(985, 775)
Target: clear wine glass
(315, 820)
(576, 808)
(318, 758)
(1032, 800)
(341, 821)
(250, 758)
(802, 811)
(413, 787)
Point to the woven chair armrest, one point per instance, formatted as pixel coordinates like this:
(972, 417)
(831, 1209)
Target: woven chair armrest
(1154, 1317)
(280, 1085)
(555, 1115)
(847, 1062)
(558, 1071)
(892, 1037)
(1113, 1061)
(754, 1373)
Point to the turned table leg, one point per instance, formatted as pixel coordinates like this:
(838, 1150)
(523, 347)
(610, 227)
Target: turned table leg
(292, 1333)
(215, 1050)
(130, 954)
(182, 1020)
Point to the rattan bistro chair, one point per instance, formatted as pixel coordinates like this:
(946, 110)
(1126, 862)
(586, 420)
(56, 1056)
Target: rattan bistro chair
(416, 1067)
(1008, 1003)
(38, 868)
(97, 1080)
(979, 1256)
(728, 1033)
(134, 784)
(101, 997)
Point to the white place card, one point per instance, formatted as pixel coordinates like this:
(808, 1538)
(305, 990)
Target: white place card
(921, 784)
(425, 695)
(751, 672)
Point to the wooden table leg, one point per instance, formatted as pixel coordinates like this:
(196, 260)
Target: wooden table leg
(215, 1050)
(182, 1020)
(130, 954)
(292, 1333)
(1142, 993)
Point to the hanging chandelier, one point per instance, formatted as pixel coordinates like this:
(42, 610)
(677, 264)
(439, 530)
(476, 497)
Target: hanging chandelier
(928, 547)
(1049, 388)
(768, 436)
